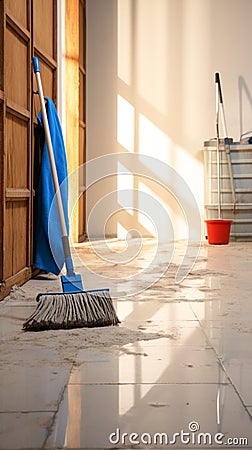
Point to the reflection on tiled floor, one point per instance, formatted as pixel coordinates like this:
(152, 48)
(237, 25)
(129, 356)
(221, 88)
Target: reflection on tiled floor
(97, 411)
(142, 363)
(176, 372)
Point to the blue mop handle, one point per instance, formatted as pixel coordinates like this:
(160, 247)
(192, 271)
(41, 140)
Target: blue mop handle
(36, 67)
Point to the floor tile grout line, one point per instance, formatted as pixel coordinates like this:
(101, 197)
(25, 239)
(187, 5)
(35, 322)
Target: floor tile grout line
(234, 387)
(35, 411)
(196, 383)
(220, 361)
(60, 400)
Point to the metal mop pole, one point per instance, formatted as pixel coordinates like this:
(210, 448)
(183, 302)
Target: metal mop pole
(218, 143)
(227, 143)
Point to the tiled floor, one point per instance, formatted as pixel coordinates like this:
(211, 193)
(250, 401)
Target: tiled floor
(176, 373)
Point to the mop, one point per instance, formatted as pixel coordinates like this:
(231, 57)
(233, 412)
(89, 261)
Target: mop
(74, 307)
(227, 140)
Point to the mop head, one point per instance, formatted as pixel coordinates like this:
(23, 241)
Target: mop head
(72, 310)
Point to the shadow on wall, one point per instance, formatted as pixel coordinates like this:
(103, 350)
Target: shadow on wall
(154, 92)
(136, 100)
(149, 102)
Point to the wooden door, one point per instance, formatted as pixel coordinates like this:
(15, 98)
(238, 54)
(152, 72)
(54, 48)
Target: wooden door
(75, 76)
(2, 129)
(27, 28)
(82, 111)
(16, 197)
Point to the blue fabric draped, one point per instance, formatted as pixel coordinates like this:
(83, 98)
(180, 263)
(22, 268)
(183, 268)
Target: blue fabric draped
(49, 255)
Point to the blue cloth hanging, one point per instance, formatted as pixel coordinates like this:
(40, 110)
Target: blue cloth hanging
(49, 254)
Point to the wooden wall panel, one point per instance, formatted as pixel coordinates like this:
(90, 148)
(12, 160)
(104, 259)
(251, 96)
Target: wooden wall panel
(2, 123)
(19, 9)
(1, 47)
(2, 176)
(15, 242)
(16, 69)
(44, 15)
(48, 77)
(8, 241)
(17, 154)
(20, 215)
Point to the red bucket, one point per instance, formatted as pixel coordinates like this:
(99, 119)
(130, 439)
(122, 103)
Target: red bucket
(218, 231)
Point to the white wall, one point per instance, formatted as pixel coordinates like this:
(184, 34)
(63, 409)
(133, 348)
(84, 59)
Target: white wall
(150, 90)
